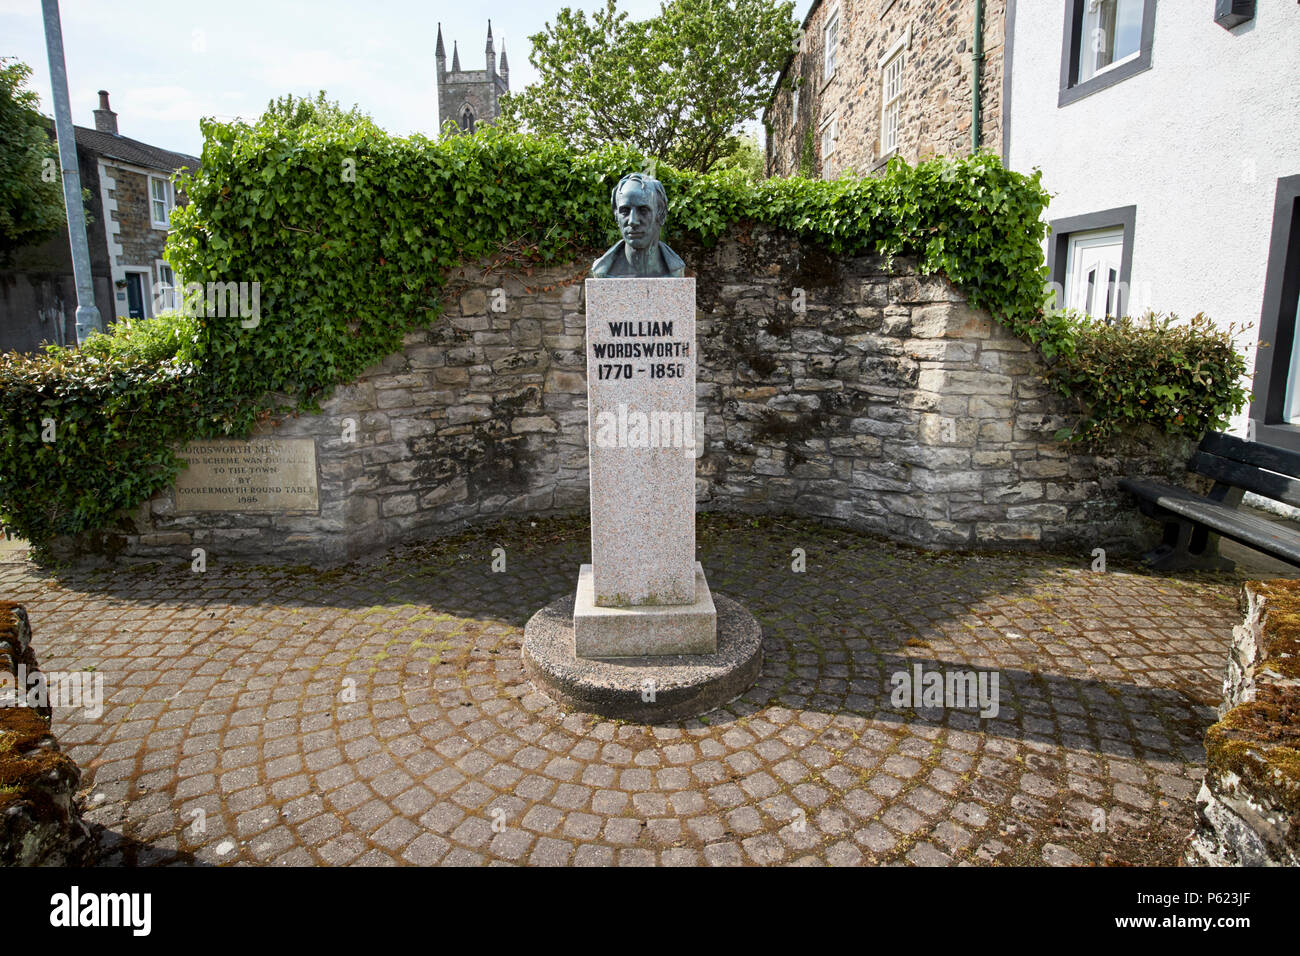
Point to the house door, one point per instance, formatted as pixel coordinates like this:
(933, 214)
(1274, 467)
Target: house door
(134, 295)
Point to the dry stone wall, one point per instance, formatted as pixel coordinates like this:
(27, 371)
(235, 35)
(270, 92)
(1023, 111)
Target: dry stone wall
(848, 389)
(1248, 808)
(40, 819)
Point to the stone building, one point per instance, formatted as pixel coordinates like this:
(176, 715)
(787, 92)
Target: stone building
(873, 79)
(470, 97)
(130, 205)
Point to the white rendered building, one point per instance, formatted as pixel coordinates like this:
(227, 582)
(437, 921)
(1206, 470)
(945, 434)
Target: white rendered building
(1168, 132)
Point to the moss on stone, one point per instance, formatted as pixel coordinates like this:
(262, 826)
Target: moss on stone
(1281, 625)
(1259, 741)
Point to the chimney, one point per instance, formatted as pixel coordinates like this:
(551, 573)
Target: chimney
(105, 118)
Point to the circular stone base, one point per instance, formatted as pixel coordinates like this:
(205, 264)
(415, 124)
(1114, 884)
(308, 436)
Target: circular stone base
(684, 686)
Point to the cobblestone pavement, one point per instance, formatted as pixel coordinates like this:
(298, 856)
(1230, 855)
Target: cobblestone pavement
(227, 735)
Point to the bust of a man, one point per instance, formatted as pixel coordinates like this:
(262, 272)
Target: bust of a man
(640, 208)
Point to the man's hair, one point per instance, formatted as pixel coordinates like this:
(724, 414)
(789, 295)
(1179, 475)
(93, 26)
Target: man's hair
(649, 182)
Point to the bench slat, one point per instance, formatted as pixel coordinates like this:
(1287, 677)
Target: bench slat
(1260, 533)
(1270, 484)
(1282, 460)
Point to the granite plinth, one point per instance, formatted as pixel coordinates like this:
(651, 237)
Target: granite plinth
(644, 630)
(641, 421)
(643, 689)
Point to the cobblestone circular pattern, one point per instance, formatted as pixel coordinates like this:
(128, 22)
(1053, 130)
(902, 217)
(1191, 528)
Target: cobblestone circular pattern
(681, 687)
(378, 712)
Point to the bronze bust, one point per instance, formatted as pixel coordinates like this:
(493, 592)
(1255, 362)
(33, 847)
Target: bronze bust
(640, 208)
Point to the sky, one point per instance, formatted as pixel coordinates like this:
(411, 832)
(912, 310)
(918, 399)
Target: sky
(167, 65)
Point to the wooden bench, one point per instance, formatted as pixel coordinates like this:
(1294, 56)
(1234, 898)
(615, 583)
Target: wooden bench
(1194, 523)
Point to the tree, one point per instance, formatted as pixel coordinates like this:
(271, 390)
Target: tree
(746, 155)
(676, 87)
(31, 190)
(290, 112)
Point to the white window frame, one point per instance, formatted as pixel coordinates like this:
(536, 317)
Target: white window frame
(830, 128)
(830, 135)
(830, 49)
(894, 55)
(169, 200)
(169, 301)
(1080, 243)
(794, 106)
(1086, 41)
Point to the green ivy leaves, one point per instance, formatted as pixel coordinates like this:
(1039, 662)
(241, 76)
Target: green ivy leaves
(347, 266)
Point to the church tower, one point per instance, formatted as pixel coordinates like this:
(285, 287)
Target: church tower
(470, 98)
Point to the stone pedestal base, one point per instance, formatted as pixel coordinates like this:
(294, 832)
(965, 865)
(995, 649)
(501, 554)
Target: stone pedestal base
(648, 630)
(643, 689)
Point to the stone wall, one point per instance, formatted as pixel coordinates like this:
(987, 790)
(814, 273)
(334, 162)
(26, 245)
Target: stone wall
(935, 116)
(885, 404)
(141, 242)
(40, 822)
(1248, 808)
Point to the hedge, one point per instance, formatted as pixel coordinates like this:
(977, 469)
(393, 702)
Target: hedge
(350, 234)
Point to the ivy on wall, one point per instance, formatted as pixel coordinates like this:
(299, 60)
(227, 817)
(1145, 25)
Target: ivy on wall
(349, 234)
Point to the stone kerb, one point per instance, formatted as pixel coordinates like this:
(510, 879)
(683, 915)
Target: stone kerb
(847, 389)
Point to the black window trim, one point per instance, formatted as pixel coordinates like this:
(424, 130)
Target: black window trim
(1058, 243)
(1072, 91)
(1277, 320)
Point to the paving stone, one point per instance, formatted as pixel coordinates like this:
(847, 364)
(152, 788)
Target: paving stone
(222, 695)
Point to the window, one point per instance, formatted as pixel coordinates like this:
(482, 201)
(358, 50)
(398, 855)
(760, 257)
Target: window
(1275, 408)
(1092, 272)
(1292, 411)
(1104, 42)
(165, 298)
(794, 106)
(830, 133)
(1111, 34)
(831, 44)
(1090, 260)
(467, 119)
(891, 93)
(160, 202)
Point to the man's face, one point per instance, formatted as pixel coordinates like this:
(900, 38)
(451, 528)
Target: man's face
(636, 216)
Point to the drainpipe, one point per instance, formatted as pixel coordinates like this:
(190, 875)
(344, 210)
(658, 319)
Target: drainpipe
(977, 63)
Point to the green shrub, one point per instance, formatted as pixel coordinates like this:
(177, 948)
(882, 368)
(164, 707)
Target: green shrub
(1182, 377)
(167, 335)
(86, 435)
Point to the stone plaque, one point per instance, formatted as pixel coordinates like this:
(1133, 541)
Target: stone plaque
(641, 416)
(260, 474)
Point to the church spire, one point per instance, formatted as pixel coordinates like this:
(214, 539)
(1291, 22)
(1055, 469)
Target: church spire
(455, 58)
(440, 51)
(490, 53)
(505, 65)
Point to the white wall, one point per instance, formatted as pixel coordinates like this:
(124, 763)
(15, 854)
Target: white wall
(1196, 143)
